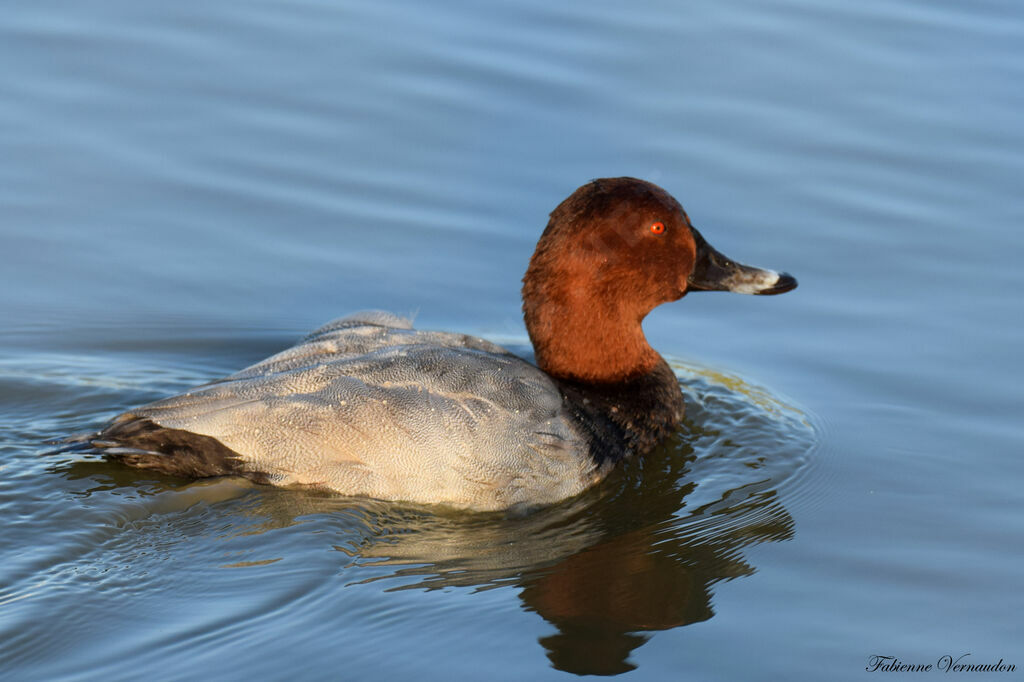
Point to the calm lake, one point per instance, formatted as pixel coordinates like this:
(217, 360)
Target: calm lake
(188, 187)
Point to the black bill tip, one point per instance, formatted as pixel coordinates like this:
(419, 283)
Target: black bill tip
(786, 282)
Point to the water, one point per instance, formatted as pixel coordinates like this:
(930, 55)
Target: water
(187, 188)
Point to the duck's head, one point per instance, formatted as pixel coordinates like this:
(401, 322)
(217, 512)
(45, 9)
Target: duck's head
(612, 251)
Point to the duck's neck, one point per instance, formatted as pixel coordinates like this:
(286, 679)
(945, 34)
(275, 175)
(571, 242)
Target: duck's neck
(625, 396)
(587, 341)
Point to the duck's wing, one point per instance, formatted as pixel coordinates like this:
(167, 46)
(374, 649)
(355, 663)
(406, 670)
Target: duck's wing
(372, 407)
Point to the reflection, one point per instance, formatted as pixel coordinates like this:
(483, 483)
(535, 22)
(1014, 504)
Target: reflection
(598, 599)
(641, 581)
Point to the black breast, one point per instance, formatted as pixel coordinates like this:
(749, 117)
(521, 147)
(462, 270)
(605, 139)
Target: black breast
(629, 417)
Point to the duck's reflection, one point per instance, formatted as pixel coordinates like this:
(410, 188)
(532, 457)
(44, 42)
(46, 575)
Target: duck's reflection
(602, 597)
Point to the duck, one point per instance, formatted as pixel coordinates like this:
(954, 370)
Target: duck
(369, 407)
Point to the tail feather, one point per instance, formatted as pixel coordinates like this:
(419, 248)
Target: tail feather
(139, 442)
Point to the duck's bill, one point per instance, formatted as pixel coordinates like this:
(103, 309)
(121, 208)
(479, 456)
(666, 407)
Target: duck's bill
(715, 272)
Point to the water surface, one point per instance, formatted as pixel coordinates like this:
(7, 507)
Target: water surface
(185, 189)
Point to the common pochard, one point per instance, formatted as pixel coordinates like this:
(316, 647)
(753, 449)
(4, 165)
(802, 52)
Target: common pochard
(369, 406)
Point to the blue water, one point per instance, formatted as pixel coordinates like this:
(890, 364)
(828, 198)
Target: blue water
(186, 188)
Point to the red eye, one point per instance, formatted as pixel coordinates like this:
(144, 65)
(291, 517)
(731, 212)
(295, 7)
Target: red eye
(657, 228)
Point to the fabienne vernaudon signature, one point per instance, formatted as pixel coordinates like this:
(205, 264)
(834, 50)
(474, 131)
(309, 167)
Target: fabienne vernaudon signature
(945, 664)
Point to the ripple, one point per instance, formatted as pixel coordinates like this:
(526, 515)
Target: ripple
(744, 435)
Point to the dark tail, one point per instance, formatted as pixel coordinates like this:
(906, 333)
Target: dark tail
(141, 443)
